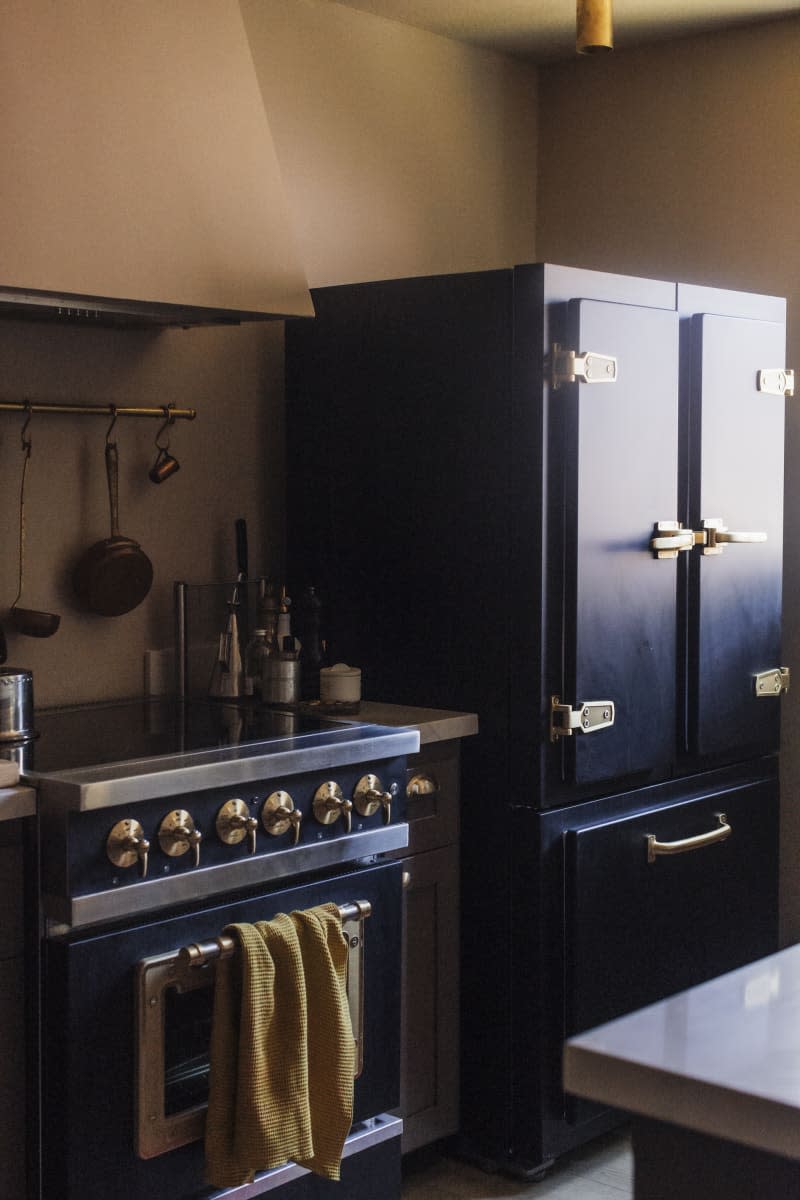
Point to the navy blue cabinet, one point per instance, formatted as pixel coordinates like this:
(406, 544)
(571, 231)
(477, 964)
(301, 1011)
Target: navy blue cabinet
(554, 497)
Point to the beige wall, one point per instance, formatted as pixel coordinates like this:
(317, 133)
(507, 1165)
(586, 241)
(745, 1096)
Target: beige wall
(403, 154)
(681, 162)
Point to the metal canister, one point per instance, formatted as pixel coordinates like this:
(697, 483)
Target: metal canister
(280, 680)
(16, 704)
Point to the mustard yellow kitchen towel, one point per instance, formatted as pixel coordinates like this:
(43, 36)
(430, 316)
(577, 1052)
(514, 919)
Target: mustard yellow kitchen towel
(282, 1050)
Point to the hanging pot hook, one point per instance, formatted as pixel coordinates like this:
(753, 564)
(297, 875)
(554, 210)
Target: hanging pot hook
(113, 410)
(165, 464)
(169, 420)
(26, 441)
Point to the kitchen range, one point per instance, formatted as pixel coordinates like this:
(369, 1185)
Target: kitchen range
(580, 539)
(162, 823)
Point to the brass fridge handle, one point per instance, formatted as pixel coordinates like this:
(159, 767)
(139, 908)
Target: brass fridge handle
(656, 848)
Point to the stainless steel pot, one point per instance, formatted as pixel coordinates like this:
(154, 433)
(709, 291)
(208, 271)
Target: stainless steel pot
(16, 704)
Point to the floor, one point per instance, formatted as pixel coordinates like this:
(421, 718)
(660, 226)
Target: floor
(601, 1171)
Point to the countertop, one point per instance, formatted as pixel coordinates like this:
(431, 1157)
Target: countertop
(434, 724)
(722, 1058)
(17, 802)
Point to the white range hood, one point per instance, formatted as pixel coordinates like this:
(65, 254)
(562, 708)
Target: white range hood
(139, 180)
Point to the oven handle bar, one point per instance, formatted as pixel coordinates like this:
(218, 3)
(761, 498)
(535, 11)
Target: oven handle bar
(224, 946)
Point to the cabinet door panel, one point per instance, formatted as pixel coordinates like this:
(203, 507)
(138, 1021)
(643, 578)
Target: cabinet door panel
(429, 1006)
(638, 931)
(620, 601)
(735, 596)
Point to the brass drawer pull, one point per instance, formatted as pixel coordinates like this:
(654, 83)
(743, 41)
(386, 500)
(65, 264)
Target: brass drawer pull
(655, 848)
(422, 785)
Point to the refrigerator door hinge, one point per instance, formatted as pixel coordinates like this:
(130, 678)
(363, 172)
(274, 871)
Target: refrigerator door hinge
(587, 718)
(566, 366)
(776, 381)
(772, 683)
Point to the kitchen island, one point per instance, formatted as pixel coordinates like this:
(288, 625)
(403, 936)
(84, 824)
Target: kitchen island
(712, 1078)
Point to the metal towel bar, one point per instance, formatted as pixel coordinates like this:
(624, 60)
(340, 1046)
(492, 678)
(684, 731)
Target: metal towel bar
(223, 946)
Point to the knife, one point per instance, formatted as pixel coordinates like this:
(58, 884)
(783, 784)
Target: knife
(242, 569)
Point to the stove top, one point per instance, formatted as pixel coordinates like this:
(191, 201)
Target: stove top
(95, 755)
(96, 734)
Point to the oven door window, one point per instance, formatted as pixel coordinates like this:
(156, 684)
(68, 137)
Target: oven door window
(174, 1005)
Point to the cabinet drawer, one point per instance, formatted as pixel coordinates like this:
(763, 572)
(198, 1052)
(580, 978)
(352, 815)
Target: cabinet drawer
(432, 797)
(639, 930)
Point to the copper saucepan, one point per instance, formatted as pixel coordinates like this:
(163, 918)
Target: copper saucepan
(114, 575)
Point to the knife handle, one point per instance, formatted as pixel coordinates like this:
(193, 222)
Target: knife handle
(241, 547)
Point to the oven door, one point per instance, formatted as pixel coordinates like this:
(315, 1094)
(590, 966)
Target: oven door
(95, 1035)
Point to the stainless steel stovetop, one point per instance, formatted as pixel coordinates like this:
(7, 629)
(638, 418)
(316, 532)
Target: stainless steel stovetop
(155, 803)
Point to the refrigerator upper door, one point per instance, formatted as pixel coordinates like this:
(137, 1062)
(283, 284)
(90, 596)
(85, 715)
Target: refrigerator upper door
(621, 473)
(736, 477)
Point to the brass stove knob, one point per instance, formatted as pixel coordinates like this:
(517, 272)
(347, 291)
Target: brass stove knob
(279, 813)
(234, 824)
(126, 844)
(330, 804)
(369, 797)
(177, 834)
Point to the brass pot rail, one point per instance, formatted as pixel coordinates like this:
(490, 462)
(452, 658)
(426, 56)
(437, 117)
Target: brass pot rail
(99, 410)
(223, 946)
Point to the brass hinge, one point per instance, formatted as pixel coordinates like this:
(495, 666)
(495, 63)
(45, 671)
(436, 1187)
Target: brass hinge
(776, 381)
(566, 366)
(587, 718)
(772, 683)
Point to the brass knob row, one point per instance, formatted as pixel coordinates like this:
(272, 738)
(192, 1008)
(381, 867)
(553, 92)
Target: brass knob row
(126, 844)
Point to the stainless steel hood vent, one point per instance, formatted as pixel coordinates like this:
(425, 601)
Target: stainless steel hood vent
(140, 184)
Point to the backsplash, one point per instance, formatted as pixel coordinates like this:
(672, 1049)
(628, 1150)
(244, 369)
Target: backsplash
(232, 465)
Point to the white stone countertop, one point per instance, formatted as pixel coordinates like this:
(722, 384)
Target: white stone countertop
(434, 724)
(722, 1058)
(17, 802)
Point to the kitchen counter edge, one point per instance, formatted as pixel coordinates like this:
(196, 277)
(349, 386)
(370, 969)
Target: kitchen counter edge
(722, 1058)
(17, 802)
(434, 724)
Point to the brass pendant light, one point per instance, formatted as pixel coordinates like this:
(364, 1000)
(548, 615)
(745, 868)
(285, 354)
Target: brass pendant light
(595, 34)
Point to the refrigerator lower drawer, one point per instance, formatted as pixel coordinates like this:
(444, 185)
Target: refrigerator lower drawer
(667, 897)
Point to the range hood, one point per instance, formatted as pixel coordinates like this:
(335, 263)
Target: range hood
(139, 180)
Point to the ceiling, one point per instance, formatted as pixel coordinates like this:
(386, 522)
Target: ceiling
(545, 29)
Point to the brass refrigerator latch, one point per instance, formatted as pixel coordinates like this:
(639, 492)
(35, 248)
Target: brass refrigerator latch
(669, 538)
(566, 366)
(587, 718)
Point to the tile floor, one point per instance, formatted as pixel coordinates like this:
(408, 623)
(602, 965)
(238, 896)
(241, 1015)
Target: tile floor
(600, 1171)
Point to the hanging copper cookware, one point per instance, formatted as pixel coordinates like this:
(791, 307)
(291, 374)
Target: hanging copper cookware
(114, 575)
